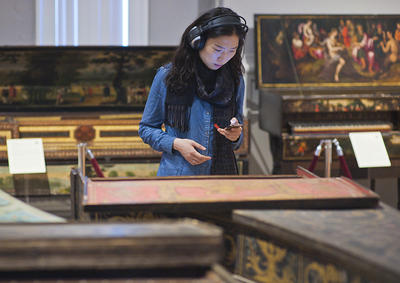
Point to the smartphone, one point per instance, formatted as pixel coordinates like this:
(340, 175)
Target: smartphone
(233, 126)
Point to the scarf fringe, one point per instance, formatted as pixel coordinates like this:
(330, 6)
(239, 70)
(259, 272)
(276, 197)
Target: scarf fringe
(177, 116)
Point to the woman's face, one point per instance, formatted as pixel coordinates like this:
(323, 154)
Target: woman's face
(219, 50)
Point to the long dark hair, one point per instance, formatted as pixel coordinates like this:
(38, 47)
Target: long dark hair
(183, 63)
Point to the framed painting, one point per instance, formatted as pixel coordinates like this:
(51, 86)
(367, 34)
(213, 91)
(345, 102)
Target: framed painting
(78, 78)
(328, 51)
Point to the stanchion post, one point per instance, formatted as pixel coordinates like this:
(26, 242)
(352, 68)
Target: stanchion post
(328, 157)
(82, 158)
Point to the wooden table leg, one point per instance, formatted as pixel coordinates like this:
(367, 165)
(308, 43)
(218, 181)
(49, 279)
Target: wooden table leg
(398, 193)
(372, 184)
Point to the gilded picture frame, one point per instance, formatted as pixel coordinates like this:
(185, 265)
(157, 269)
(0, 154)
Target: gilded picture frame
(327, 51)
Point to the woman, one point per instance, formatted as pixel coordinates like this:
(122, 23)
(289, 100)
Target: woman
(197, 96)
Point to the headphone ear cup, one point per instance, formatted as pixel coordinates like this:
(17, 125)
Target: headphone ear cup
(201, 42)
(195, 39)
(195, 42)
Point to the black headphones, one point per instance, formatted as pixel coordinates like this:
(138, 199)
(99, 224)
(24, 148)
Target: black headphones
(197, 41)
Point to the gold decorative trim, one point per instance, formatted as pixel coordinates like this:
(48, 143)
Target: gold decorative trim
(122, 116)
(32, 119)
(7, 135)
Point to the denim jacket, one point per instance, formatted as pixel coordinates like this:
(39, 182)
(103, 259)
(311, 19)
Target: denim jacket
(201, 129)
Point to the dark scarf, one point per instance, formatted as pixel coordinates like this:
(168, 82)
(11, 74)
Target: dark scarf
(217, 88)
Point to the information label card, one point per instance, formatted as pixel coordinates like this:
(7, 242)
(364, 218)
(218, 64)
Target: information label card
(369, 149)
(25, 156)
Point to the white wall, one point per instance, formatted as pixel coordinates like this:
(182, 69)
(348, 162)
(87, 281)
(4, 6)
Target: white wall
(169, 18)
(17, 22)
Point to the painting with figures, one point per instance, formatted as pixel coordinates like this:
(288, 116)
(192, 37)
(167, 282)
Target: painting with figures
(96, 77)
(328, 50)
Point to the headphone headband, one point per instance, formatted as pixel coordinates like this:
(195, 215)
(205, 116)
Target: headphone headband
(225, 20)
(195, 39)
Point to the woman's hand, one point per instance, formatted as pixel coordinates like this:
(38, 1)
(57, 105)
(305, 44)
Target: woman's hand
(187, 148)
(232, 134)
